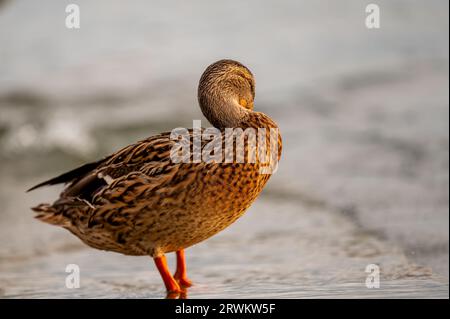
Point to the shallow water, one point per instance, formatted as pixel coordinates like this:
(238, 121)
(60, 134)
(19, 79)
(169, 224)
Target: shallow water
(364, 117)
(307, 253)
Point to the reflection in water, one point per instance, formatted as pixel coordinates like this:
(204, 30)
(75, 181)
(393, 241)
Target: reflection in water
(177, 295)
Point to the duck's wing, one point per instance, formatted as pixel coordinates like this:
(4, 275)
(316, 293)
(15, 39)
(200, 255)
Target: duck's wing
(86, 181)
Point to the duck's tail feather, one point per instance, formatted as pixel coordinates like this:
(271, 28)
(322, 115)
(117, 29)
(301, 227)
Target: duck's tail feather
(49, 214)
(69, 176)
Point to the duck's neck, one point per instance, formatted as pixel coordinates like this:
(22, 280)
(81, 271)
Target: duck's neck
(235, 116)
(258, 121)
(222, 112)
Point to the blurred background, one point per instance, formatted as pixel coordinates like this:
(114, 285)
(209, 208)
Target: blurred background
(364, 114)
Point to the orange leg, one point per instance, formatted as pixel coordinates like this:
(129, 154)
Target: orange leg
(180, 274)
(171, 284)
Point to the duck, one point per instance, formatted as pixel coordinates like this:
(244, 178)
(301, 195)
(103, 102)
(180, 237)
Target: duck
(138, 201)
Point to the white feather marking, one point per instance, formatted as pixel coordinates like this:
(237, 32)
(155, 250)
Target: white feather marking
(108, 179)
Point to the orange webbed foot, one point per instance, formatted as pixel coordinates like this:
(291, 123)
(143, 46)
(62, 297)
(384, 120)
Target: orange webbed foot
(181, 275)
(177, 295)
(171, 284)
(183, 281)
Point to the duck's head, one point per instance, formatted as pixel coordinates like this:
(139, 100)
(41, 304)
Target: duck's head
(226, 92)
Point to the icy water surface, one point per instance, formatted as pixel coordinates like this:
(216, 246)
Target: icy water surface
(364, 118)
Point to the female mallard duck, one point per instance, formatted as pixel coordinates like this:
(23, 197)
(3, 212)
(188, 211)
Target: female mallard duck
(139, 202)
